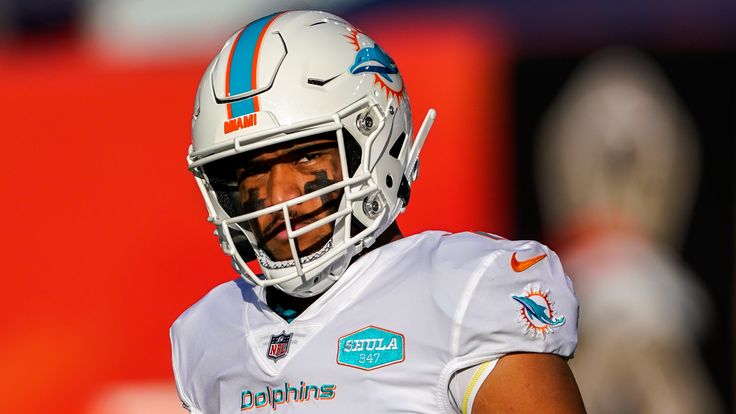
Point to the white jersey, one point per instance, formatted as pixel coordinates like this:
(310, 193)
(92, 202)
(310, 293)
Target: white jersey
(386, 338)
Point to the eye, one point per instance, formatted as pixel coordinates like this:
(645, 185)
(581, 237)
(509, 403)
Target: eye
(309, 157)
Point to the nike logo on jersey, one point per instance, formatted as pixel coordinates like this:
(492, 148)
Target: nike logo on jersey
(520, 266)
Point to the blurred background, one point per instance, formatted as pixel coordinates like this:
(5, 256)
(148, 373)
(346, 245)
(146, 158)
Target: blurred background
(605, 129)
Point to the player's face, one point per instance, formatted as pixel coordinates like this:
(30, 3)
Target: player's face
(281, 173)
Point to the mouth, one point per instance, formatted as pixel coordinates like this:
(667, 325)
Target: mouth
(278, 238)
(275, 240)
(284, 235)
(277, 229)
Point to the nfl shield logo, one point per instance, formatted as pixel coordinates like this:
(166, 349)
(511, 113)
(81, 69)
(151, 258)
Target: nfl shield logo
(279, 346)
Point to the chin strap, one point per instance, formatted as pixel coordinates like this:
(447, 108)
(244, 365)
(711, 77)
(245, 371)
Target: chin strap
(269, 263)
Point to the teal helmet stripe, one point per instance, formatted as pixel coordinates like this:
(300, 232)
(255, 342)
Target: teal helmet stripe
(242, 65)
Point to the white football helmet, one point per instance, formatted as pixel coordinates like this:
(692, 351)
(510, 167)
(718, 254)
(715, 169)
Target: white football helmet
(293, 75)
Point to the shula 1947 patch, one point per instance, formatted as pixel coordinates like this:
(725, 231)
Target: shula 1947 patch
(370, 348)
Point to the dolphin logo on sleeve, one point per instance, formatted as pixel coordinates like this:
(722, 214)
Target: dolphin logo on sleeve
(538, 312)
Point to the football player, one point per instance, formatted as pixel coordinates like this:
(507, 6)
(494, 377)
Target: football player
(304, 153)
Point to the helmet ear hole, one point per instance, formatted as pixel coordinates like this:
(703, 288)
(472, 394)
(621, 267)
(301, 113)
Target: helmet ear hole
(395, 150)
(404, 191)
(353, 152)
(356, 226)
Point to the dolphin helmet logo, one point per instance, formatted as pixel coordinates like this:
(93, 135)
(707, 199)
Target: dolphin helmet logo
(374, 59)
(537, 313)
(370, 58)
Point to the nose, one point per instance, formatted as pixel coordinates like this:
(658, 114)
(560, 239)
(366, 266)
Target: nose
(283, 184)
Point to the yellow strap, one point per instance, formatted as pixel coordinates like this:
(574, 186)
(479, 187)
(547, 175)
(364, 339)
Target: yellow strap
(469, 390)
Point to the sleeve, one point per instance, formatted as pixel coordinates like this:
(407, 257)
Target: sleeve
(176, 365)
(518, 300)
(464, 385)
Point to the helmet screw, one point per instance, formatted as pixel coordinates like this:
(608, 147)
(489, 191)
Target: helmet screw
(391, 110)
(372, 206)
(365, 123)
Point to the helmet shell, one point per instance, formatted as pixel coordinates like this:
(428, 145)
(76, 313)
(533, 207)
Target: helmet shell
(289, 75)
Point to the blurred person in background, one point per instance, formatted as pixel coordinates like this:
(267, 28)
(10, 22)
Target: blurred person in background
(618, 166)
(304, 153)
